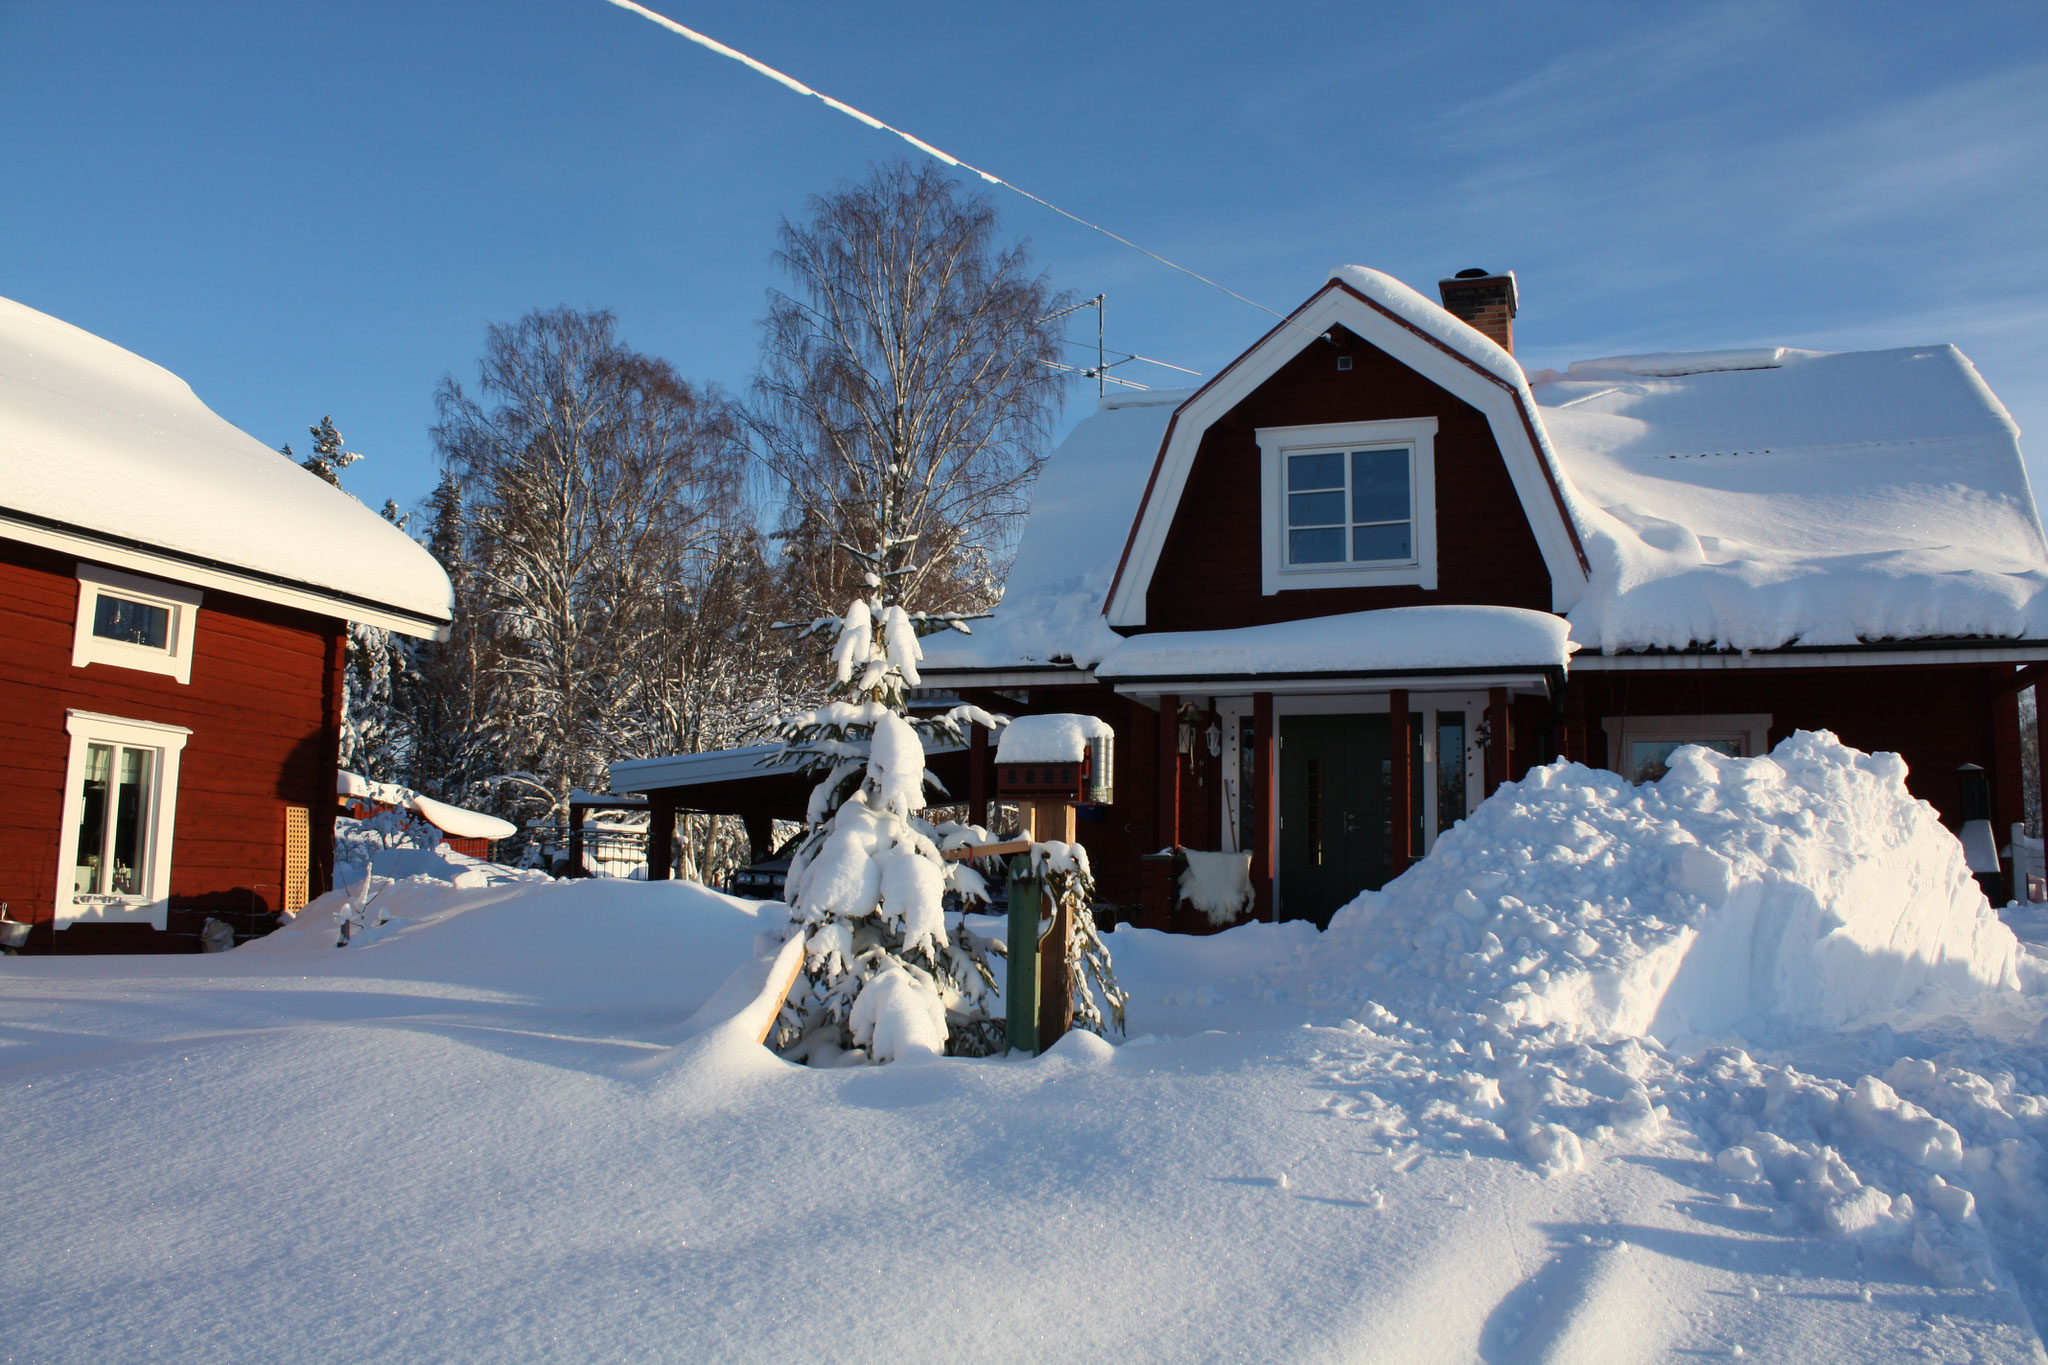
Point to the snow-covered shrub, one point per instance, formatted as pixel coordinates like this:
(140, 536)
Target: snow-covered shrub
(1062, 869)
(888, 969)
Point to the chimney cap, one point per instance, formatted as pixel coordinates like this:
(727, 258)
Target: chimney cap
(1474, 272)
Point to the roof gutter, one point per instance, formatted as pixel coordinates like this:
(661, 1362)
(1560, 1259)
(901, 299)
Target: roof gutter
(203, 572)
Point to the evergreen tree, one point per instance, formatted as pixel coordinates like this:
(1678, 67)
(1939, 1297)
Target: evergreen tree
(887, 968)
(328, 458)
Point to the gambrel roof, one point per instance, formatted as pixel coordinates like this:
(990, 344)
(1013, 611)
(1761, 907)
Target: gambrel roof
(1743, 500)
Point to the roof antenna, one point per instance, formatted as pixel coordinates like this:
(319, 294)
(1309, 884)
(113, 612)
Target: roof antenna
(1100, 371)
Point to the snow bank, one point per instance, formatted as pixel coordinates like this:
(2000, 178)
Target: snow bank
(1806, 886)
(1057, 738)
(94, 436)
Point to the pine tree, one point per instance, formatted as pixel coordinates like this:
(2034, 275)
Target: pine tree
(328, 458)
(887, 968)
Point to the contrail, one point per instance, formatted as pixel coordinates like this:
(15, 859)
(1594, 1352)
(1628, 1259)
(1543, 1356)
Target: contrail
(780, 78)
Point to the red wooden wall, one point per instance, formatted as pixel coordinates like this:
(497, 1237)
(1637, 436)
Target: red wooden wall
(1936, 718)
(1209, 569)
(264, 710)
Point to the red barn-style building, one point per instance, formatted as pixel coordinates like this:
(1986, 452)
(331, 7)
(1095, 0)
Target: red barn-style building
(1373, 569)
(175, 598)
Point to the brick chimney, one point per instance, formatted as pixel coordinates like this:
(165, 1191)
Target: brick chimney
(1484, 301)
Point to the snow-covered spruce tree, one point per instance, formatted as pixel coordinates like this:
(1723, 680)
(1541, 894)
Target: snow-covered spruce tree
(887, 969)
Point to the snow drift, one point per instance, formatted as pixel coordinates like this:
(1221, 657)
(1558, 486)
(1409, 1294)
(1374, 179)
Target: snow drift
(1807, 886)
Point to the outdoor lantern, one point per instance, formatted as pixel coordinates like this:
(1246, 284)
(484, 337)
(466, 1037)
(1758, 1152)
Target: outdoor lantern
(1102, 767)
(1190, 722)
(1215, 737)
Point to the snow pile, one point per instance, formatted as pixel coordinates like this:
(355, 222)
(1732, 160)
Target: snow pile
(1804, 886)
(394, 845)
(1217, 884)
(1056, 738)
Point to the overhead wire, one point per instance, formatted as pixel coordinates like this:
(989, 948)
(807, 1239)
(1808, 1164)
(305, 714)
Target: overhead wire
(792, 83)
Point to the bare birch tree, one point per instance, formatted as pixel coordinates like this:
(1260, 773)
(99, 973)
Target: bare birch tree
(598, 485)
(903, 398)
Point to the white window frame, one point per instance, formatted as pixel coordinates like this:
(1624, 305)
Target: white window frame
(1277, 443)
(174, 660)
(1752, 728)
(152, 904)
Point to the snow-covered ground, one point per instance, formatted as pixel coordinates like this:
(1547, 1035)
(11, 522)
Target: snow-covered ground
(1468, 1123)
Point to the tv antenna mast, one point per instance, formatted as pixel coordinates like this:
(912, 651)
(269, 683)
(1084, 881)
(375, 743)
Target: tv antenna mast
(1100, 371)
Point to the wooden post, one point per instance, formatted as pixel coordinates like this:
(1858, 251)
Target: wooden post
(1265, 831)
(1169, 771)
(1499, 738)
(576, 814)
(661, 832)
(1400, 793)
(2008, 799)
(977, 776)
(760, 835)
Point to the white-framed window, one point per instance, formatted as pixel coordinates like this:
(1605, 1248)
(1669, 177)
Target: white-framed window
(120, 805)
(1348, 504)
(1640, 747)
(132, 622)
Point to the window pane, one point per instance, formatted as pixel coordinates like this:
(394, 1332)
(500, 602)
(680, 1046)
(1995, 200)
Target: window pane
(1450, 768)
(1316, 547)
(1379, 485)
(1315, 509)
(131, 808)
(92, 820)
(1369, 543)
(135, 623)
(1315, 471)
(1647, 758)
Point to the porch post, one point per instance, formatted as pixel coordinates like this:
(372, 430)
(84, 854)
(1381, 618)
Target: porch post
(1169, 771)
(1265, 831)
(2008, 799)
(977, 775)
(1400, 807)
(760, 835)
(661, 831)
(1499, 738)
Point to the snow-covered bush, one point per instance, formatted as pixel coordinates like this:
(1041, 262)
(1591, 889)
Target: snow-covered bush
(1062, 869)
(888, 969)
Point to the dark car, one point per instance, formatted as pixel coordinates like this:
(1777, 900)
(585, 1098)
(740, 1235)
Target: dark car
(762, 880)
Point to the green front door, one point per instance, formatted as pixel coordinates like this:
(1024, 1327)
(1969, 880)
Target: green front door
(1333, 812)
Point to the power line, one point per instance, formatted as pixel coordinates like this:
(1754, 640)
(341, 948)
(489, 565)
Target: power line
(791, 82)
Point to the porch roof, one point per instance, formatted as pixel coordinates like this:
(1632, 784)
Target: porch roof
(1397, 642)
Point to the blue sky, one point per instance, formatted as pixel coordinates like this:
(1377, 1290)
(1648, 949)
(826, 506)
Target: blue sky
(316, 208)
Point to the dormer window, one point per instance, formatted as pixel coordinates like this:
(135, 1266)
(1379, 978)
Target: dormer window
(131, 622)
(1349, 504)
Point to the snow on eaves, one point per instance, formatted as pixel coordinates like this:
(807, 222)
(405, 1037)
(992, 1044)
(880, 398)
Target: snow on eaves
(1082, 508)
(1390, 640)
(96, 438)
(1754, 499)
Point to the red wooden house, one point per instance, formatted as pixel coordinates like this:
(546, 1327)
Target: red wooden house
(1334, 597)
(175, 598)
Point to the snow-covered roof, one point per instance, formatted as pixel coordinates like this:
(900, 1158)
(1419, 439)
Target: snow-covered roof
(1056, 738)
(456, 820)
(695, 770)
(1758, 498)
(1081, 512)
(1744, 499)
(1394, 640)
(98, 444)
